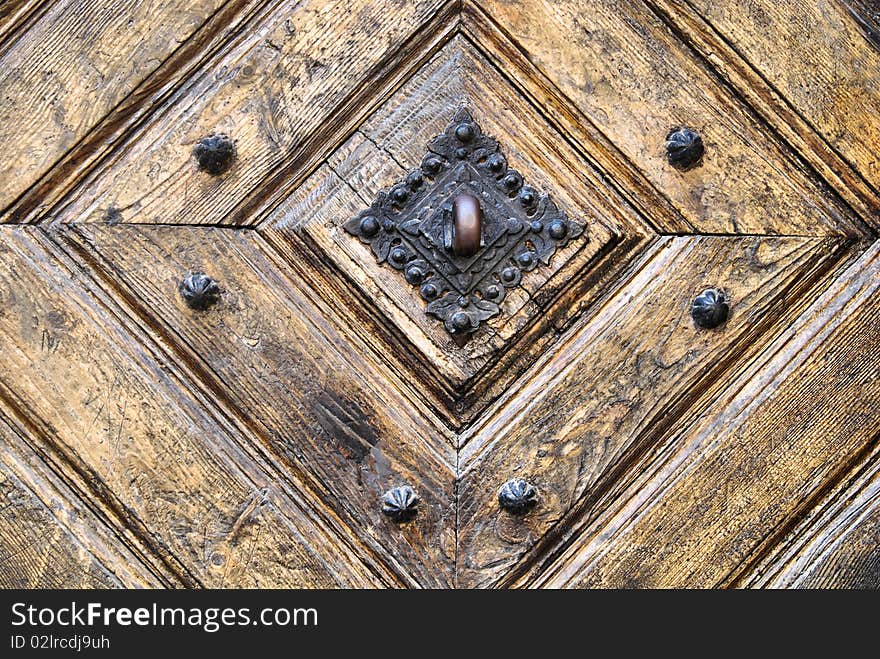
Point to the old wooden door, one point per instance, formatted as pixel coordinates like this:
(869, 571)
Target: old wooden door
(248, 427)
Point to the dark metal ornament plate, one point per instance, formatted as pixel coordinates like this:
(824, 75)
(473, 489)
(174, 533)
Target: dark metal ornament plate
(407, 227)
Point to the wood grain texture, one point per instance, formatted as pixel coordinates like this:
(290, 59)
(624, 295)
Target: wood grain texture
(731, 483)
(133, 111)
(822, 57)
(836, 543)
(615, 382)
(774, 108)
(111, 415)
(16, 15)
(281, 90)
(634, 81)
(319, 406)
(48, 537)
(307, 227)
(75, 63)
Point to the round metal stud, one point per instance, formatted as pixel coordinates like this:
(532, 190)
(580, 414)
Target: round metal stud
(512, 181)
(414, 275)
(517, 496)
(460, 321)
(557, 230)
(526, 259)
(369, 226)
(429, 291)
(509, 274)
(399, 195)
(215, 153)
(709, 309)
(397, 256)
(684, 148)
(496, 163)
(528, 197)
(199, 291)
(536, 226)
(492, 292)
(399, 503)
(415, 179)
(465, 132)
(431, 165)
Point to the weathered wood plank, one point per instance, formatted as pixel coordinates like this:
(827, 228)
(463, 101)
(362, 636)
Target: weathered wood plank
(307, 228)
(836, 544)
(111, 414)
(71, 67)
(822, 57)
(781, 115)
(132, 111)
(321, 407)
(629, 76)
(615, 382)
(283, 91)
(48, 538)
(727, 486)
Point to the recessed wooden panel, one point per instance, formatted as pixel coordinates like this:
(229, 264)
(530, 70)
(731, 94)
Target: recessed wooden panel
(62, 75)
(307, 227)
(628, 74)
(751, 464)
(284, 86)
(320, 406)
(616, 382)
(111, 416)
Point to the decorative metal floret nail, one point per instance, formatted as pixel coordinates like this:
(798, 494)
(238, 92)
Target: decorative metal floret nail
(199, 291)
(709, 309)
(463, 228)
(214, 153)
(517, 495)
(399, 503)
(684, 148)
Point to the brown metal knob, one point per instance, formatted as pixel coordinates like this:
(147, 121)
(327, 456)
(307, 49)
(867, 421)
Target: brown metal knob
(467, 225)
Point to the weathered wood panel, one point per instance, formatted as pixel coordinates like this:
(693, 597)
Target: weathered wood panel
(282, 91)
(727, 486)
(15, 14)
(836, 545)
(822, 57)
(48, 537)
(319, 404)
(111, 415)
(71, 67)
(781, 115)
(615, 382)
(627, 73)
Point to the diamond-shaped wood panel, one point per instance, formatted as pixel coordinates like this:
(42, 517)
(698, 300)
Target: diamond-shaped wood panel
(308, 227)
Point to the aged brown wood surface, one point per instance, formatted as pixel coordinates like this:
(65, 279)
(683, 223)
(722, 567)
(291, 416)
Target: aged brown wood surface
(75, 63)
(144, 443)
(826, 72)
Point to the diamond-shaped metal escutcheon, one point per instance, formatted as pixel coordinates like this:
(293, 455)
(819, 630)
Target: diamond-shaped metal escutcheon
(409, 227)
